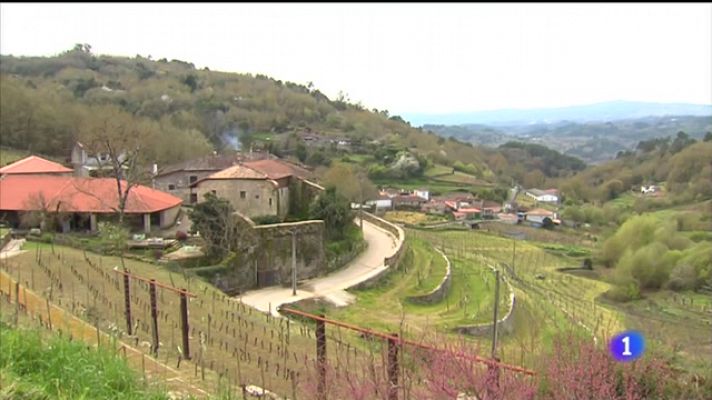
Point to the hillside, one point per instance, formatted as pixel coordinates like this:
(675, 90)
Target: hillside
(47, 100)
(593, 141)
(681, 166)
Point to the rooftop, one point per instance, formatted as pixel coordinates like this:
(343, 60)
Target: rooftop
(34, 165)
(75, 194)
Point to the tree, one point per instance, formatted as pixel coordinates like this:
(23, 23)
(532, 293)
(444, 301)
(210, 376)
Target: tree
(301, 152)
(191, 81)
(214, 219)
(115, 139)
(335, 210)
(353, 185)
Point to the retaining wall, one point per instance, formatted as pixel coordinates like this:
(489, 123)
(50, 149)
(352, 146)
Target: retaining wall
(505, 324)
(389, 261)
(440, 291)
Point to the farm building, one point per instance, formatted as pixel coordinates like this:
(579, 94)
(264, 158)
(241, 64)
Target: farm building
(77, 203)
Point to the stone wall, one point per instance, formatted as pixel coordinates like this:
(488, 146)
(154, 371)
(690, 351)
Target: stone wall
(252, 197)
(505, 325)
(181, 182)
(302, 193)
(440, 291)
(263, 254)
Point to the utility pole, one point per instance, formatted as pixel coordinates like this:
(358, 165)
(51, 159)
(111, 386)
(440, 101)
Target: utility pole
(496, 309)
(294, 262)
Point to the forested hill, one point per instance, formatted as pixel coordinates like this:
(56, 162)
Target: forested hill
(46, 101)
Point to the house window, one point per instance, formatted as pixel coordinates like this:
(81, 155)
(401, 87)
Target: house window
(270, 202)
(193, 178)
(243, 194)
(171, 187)
(257, 196)
(193, 198)
(215, 192)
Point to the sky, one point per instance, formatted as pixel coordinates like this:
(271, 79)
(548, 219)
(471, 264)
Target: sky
(406, 58)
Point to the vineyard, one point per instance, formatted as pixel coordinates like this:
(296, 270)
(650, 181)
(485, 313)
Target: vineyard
(231, 345)
(548, 301)
(386, 306)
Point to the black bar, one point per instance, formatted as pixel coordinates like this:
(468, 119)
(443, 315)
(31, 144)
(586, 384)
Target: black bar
(154, 315)
(127, 302)
(393, 368)
(321, 357)
(184, 325)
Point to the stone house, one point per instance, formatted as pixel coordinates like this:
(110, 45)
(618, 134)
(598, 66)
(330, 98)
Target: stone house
(177, 179)
(255, 188)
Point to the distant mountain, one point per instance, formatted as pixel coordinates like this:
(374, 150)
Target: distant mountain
(608, 111)
(593, 142)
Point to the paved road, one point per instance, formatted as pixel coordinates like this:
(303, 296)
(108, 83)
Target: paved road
(381, 244)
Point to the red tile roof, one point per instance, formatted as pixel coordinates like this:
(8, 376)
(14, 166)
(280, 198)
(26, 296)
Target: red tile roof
(237, 172)
(276, 169)
(75, 194)
(34, 165)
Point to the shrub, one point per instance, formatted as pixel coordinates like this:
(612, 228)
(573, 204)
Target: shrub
(181, 236)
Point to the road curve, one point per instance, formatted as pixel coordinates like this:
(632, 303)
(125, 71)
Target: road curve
(381, 244)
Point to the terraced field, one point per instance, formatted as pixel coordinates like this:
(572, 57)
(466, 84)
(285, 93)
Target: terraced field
(385, 307)
(547, 300)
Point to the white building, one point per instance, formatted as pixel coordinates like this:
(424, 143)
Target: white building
(544, 196)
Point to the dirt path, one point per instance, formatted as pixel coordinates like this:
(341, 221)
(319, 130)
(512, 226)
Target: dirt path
(381, 244)
(12, 248)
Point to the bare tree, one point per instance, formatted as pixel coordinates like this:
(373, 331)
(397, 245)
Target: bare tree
(114, 140)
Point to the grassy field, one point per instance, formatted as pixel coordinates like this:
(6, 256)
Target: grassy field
(33, 366)
(413, 218)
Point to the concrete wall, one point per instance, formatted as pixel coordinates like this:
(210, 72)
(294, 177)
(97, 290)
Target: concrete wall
(169, 216)
(440, 291)
(261, 195)
(263, 255)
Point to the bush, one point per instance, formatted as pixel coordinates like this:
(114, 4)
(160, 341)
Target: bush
(266, 219)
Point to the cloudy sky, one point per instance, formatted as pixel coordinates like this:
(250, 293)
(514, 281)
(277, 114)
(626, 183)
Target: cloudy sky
(406, 58)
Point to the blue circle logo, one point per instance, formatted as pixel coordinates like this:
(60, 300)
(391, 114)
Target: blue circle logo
(627, 346)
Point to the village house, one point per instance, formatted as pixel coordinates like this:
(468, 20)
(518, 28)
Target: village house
(649, 189)
(544, 196)
(95, 165)
(254, 188)
(177, 179)
(78, 203)
(381, 203)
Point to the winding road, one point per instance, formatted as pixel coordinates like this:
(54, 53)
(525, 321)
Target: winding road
(381, 244)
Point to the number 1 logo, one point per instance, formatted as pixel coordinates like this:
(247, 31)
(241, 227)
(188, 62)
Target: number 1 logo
(627, 346)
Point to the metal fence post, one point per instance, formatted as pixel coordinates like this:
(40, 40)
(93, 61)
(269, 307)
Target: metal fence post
(184, 324)
(393, 368)
(321, 357)
(154, 316)
(127, 301)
